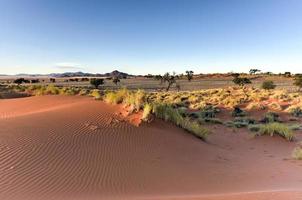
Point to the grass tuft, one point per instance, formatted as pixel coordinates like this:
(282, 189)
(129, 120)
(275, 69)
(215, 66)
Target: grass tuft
(96, 94)
(277, 129)
(297, 153)
(168, 113)
(146, 112)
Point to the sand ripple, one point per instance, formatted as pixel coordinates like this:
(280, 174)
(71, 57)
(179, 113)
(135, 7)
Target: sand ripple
(78, 148)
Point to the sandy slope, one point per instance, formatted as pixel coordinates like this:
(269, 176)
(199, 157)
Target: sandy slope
(55, 147)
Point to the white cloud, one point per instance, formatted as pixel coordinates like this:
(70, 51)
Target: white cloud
(68, 66)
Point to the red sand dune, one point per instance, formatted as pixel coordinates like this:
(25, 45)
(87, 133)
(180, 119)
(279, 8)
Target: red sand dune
(55, 147)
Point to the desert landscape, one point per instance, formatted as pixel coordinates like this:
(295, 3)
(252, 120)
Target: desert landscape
(150, 100)
(73, 142)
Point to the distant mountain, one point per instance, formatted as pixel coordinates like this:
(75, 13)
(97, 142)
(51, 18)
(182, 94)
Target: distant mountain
(80, 74)
(118, 74)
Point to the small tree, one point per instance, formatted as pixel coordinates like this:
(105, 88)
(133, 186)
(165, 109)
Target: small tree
(268, 85)
(158, 77)
(116, 80)
(298, 81)
(19, 81)
(254, 71)
(170, 79)
(189, 75)
(96, 82)
(287, 74)
(241, 81)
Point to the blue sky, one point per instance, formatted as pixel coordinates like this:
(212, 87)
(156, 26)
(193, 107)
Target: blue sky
(150, 36)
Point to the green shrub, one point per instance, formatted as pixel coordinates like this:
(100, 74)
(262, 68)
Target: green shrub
(270, 117)
(237, 112)
(240, 122)
(297, 153)
(254, 127)
(277, 129)
(96, 82)
(183, 111)
(241, 81)
(296, 112)
(268, 85)
(209, 112)
(211, 120)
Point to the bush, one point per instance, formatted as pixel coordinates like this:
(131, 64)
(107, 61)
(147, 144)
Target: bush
(241, 81)
(297, 153)
(268, 85)
(19, 81)
(277, 129)
(296, 112)
(270, 117)
(209, 112)
(237, 112)
(96, 82)
(240, 122)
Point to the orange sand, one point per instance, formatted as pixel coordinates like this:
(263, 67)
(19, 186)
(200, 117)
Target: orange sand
(56, 147)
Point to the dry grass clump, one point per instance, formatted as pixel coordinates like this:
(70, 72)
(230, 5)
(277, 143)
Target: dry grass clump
(277, 129)
(39, 90)
(134, 100)
(116, 97)
(240, 122)
(96, 94)
(84, 92)
(168, 113)
(228, 98)
(147, 112)
(297, 153)
(51, 89)
(295, 110)
(255, 106)
(69, 91)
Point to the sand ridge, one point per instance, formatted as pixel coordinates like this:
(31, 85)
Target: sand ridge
(78, 148)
